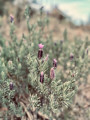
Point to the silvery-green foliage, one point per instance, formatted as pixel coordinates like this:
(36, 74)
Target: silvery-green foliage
(20, 65)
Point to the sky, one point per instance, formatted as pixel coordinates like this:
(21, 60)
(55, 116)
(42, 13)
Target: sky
(78, 10)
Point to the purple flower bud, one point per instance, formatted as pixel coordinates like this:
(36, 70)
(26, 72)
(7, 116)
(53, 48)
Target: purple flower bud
(52, 73)
(11, 18)
(87, 51)
(55, 43)
(40, 52)
(71, 56)
(72, 75)
(61, 41)
(11, 86)
(42, 77)
(54, 63)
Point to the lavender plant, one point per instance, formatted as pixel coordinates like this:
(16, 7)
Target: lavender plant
(30, 78)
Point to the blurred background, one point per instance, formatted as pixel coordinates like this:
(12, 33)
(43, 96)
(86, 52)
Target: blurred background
(77, 10)
(71, 14)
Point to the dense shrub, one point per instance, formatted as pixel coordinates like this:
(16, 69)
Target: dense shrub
(41, 78)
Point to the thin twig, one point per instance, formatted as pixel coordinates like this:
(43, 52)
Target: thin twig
(28, 113)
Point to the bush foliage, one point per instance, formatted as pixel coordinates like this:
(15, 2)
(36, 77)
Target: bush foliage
(21, 81)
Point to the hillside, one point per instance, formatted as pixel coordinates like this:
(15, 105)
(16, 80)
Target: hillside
(57, 26)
